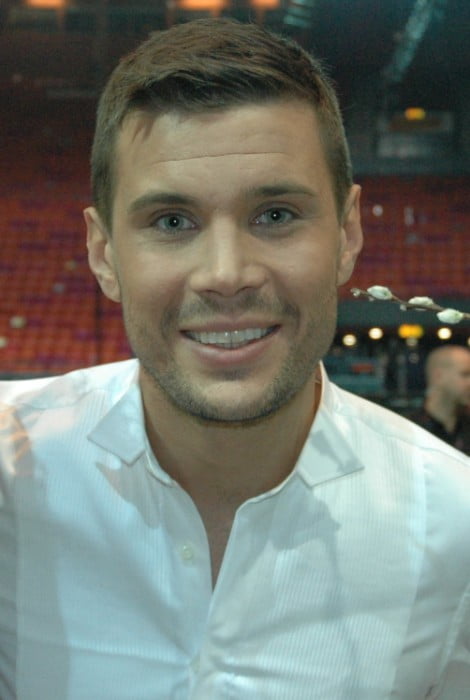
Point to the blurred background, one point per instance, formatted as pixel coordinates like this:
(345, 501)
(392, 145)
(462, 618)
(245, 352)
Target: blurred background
(402, 70)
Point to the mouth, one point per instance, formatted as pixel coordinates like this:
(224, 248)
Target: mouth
(230, 340)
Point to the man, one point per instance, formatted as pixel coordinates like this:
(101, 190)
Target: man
(446, 409)
(214, 519)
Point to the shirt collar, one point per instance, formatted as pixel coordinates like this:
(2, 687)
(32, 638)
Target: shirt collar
(326, 455)
(121, 430)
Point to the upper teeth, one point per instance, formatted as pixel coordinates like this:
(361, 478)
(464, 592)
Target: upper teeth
(230, 338)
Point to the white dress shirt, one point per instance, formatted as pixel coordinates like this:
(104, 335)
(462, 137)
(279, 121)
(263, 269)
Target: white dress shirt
(348, 581)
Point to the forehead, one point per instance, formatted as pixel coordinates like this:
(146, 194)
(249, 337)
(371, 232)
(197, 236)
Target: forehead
(278, 129)
(456, 360)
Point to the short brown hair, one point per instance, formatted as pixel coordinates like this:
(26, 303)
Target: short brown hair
(214, 64)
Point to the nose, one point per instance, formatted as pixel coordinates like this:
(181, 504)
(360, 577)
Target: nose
(229, 261)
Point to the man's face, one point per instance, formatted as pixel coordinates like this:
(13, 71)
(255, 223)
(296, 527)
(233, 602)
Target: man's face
(226, 253)
(455, 377)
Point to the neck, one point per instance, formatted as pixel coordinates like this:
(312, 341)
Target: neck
(240, 461)
(442, 409)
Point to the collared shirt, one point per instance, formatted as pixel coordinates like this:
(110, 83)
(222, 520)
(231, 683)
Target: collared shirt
(348, 581)
(460, 435)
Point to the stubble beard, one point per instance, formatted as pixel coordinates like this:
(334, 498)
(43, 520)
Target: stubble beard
(179, 389)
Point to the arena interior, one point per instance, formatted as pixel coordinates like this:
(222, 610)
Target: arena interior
(402, 71)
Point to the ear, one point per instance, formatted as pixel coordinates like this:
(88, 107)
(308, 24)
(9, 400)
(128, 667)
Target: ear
(351, 236)
(101, 254)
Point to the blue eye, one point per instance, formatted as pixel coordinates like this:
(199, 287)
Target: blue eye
(169, 223)
(275, 216)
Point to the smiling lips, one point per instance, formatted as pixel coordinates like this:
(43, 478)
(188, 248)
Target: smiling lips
(230, 340)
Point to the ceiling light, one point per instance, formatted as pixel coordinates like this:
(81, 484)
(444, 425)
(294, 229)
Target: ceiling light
(376, 333)
(349, 340)
(444, 333)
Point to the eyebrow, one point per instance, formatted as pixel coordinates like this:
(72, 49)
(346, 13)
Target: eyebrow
(281, 189)
(152, 198)
(149, 199)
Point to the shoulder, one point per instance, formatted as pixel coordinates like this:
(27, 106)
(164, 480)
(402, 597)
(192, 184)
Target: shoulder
(45, 411)
(50, 393)
(395, 450)
(410, 470)
(45, 421)
(404, 437)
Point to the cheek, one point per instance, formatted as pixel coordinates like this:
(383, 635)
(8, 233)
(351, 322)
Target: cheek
(149, 281)
(311, 276)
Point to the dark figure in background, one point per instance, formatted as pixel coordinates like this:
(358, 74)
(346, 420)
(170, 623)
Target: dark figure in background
(446, 408)
(215, 519)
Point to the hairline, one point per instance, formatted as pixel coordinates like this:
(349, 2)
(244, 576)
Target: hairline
(105, 209)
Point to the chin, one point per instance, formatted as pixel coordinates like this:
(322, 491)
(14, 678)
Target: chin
(230, 411)
(230, 418)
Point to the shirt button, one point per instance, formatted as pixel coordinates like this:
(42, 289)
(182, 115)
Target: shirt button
(187, 552)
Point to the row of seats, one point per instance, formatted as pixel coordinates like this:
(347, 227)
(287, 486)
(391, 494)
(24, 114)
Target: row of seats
(416, 235)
